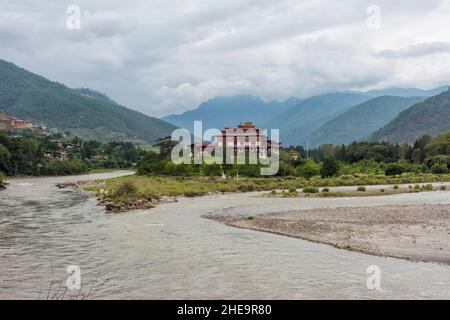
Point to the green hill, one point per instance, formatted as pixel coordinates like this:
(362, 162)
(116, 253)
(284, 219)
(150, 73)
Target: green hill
(300, 120)
(430, 117)
(362, 120)
(86, 113)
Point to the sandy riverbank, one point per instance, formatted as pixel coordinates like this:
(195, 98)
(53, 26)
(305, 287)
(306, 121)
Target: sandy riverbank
(411, 232)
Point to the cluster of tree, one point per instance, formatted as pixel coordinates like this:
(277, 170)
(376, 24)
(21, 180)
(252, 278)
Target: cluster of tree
(33, 154)
(424, 156)
(427, 154)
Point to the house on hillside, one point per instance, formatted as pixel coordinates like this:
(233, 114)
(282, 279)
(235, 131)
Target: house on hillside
(15, 123)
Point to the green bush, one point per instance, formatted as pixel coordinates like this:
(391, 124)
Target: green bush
(396, 187)
(382, 190)
(308, 169)
(310, 189)
(443, 188)
(361, 189)
(192, 194)
(428, 187)
(326, 190)
(246, 187)
(211, 170)
(126, 189)
(394, 169)
(439, 168)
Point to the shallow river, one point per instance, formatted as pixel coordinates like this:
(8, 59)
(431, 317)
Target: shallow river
(172, 252)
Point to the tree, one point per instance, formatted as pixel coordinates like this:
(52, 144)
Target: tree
(330, 167)
(438, 164)
(327, 150)
(439, 145)
(308, 169)
(211, 170)
(419, 153)
(165, 146)
(5, 158)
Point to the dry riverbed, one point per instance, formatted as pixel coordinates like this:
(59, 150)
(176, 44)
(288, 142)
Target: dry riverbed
(411, 232)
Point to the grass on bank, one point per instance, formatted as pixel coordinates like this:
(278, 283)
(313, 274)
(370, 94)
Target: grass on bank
(342, 194)
(154, 187)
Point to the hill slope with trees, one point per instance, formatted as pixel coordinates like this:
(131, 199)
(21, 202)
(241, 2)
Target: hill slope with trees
(83, 112)
(362, 120)
(430, 117)
(299, 121)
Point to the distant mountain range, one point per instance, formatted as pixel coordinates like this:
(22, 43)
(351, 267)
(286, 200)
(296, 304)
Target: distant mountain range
(84, 112)
(336, 118)
(406, 92)
(361, 121)
(299, 121)
(431, 117)
(393, 114)
(223, 112)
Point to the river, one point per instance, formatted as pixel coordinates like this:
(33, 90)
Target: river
(171, 252)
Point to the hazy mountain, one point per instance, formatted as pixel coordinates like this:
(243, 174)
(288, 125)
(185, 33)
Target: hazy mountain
(86, 113)
(431, 117)
(223, 112)
(300, 120)
(362, 120)
(407, 92)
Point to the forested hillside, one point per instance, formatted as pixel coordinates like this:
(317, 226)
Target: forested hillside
(362, 120)
(430, 117)
(31, 97)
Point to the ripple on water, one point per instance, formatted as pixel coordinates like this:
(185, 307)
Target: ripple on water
(172, 252)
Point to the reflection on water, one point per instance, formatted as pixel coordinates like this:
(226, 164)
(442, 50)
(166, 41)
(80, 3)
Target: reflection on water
(171, 252)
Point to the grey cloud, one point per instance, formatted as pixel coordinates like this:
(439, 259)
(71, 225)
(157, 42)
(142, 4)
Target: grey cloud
(417, 50)
(165, 56)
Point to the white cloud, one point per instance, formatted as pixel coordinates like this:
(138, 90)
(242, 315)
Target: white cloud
(164, 56)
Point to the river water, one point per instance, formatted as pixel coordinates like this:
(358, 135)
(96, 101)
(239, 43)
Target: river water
(172, 252)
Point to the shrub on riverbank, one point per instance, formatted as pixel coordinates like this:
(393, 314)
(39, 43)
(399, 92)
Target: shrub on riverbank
(1, 181)
(311, 189)
(126, 189)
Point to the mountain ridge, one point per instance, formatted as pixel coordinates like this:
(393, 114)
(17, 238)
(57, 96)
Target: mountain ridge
(32, 97)
(300, 120)
(229, 111)
(362, 120)
(429, 117)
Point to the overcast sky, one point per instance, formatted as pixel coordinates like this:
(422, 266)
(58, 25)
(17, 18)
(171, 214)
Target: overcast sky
(167, 56)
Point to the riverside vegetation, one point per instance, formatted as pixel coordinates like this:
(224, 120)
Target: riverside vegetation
(26, 152)
(358, 164)
(1, 182)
